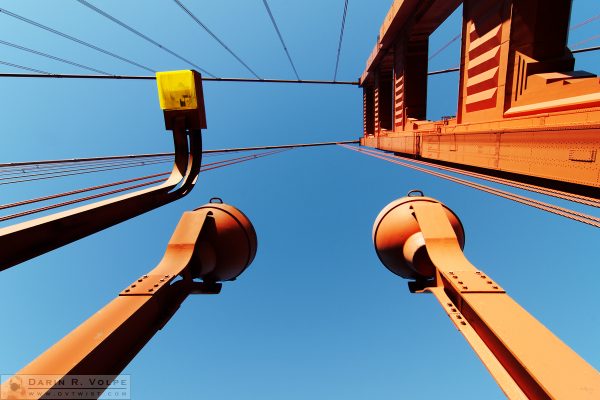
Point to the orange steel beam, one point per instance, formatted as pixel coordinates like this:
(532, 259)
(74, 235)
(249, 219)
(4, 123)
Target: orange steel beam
(523, 111)
(30, 239)
(421, 239)
(215, 243)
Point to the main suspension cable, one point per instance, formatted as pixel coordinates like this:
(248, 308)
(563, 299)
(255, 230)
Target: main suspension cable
(188, 12)
(339, 49)
(281, 38)
(74, 39)
(574, 215)
(138, 33)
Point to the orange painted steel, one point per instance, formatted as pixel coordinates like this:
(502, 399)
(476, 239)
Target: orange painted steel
(565, 212)
(523, 112)
(30, 239)
(215, 243)
(589, 201)
(421, 239)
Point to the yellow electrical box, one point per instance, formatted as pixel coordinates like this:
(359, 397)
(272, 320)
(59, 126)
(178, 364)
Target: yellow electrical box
(177, 90)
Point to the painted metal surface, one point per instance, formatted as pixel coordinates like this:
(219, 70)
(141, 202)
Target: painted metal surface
(522, 109)
(526, 359)
(32, 238)
(205, 245)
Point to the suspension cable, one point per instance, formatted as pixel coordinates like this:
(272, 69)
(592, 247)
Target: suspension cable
(136, 156)
(50, 56)
(589, 201)
(585, 22)
(92, 188)
(74, 39)
(574, 215)
(40, 72)
(29, 170)
(221, 164)
(138, 33)
(444, 47)
(339, 49)
(281, 38)
(188, 12)
(138, 164)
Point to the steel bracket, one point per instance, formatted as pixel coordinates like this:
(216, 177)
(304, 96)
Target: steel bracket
(147, 285)
(472, 282)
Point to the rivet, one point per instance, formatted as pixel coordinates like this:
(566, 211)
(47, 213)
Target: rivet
(495, 287)
(464, 287)
(489, 282)
(458, 317)
(162, 280)
(455, 277)
(451, 273)
(449, 304)
(133, 285)
(454, 310)
(156, 285)
(166, 276)
(145, 276)
(478, 272)
(127, 290)
(460, 282)
(463, 323)
(150, 290)
(139, 280)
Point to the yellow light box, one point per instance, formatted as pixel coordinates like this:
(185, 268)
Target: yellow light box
(177, 90)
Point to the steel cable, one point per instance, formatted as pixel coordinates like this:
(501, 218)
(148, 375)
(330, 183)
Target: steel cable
(50, 56)
(574, 215)
(339, 49)
(206, 167)
(281, 38)
(74, 39)
(138, 33)
(589, 201)
(188, 12)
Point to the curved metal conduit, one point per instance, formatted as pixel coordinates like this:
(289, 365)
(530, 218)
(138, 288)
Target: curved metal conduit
(30, 239)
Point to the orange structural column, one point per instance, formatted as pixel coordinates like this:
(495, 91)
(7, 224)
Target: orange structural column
(523, 111)
(420, 239)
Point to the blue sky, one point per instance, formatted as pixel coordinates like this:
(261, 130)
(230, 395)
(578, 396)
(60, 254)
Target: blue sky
(316, 315)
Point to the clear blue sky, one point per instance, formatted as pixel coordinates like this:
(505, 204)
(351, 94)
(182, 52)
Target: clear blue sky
(316, 315)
